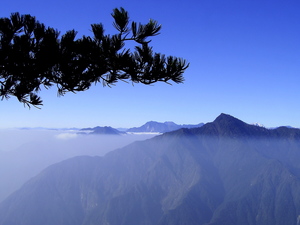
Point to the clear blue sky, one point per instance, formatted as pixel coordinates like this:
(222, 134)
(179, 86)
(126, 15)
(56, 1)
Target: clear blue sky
(244, 60)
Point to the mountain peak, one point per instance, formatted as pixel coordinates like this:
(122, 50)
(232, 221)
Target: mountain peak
(223, 116)
(229, 126)
(226, 119)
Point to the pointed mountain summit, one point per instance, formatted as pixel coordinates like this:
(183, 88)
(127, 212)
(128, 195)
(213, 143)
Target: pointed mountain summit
(224, 119)
(228, 126)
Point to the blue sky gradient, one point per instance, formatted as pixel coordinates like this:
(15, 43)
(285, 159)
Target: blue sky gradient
(244, 60)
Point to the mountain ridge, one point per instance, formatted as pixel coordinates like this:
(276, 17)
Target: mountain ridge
(153, 126)
(107, 130)
(226, 172)
(228, 126)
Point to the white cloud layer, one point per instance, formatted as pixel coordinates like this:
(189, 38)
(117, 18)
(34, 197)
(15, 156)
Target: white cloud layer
(66, 136)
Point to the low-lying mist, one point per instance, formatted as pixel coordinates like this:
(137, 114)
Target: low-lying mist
(25, 153)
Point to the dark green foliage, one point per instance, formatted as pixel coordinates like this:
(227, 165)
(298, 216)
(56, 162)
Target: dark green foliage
(34, 56)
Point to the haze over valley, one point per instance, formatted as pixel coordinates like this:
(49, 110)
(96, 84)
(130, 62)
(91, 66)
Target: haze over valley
(25, 152)
(226, 172)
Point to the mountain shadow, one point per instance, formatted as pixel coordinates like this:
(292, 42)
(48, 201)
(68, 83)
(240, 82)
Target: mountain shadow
(226, 172)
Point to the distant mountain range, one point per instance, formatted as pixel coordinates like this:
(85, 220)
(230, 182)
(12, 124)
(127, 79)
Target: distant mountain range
(101, 130)
(149, 127)
(158, 127)
(225, 172)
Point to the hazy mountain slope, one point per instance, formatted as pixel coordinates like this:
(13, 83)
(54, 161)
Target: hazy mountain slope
(43, 148)
(272, 197)
(226, 172)
(117, 181)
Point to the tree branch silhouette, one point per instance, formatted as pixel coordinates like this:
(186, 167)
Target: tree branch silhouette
(34, 56)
